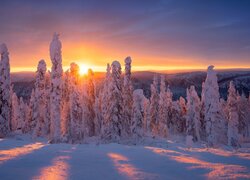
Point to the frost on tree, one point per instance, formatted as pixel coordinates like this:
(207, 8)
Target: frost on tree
(40, 100)
(127, 97)
(112, 130)
(76, 131)
(65, 123)
(5, 97)
(146, 116)
(137, 115)
(15, 113)
(233, 121)
(90, 104)
(154, 100)
(163, 109)
(171, 109)
(104, 99)
(193, 123)
(214, 121)
(243, 107)
(56, 89)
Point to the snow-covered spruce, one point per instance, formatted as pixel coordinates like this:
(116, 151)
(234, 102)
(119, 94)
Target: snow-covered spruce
(233, 121)
(76, 131)
(113, 127)
(127, 93)
(90, 104)
(193, 123)
(137, 115)
(56, 89)
(215, 123)
(154, 105)
(5, 97)
(40, 101)
(163, 109)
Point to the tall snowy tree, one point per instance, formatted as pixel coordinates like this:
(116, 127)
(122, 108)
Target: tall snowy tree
(127, 97)
(76, 131)
(90, 104)
(65, 123)
(146, 116)
(104, 99)
(5, 97)
(214, 121)
(233, 122)
(154, 104)
(137, 115)
(56, 89)
(22, 106)
(15, 112)
(40, 100)
(193, 122)
(243, 107)
(163, 110)
(112, 130)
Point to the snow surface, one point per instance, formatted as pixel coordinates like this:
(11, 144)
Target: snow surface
(23, 158)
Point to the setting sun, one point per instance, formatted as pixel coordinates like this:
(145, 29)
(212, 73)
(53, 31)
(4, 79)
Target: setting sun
(83, 69)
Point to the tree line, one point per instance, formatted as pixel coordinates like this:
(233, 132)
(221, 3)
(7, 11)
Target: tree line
(65, 107)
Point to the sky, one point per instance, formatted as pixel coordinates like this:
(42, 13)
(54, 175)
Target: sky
(157, 34)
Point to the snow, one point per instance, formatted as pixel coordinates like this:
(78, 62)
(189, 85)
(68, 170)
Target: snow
(157, 159)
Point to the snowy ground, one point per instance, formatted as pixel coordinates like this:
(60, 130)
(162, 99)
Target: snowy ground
(21, 158)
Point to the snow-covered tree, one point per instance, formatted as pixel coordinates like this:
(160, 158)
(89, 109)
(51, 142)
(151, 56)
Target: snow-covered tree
(98, 115)
(40, 100)
(90, 104)
(127, 97)
(5, 97)
(233, 122)
(193, 114)
(243, 107)
(65, 123)
(76, 131)
(214, 121)
(163, 109)
(146, 116)
(112, 130)
(56, 89)
(171, 112)
(154, 105)
(15, 112)
(137, 115)
(183, 113)
(23, 107)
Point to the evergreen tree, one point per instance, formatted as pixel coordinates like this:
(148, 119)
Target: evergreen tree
(163, 111)
(233, 122)
(90, 103)
(112, 130)
(154, 100)
(127, 97)
(193, 114)
(15, 112)
(244, 115)
(76, 123)
(137, 115)
(5, 97)
(56, 89)
(215, 124)
(40, 100)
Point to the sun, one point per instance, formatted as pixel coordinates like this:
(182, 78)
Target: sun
(83, 69)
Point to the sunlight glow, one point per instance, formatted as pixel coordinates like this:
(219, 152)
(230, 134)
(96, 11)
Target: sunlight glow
(83, 69)
(217, 170)
(6, 155)
(57, 171)
(124, 167)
